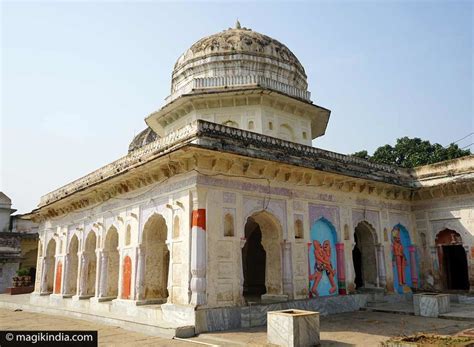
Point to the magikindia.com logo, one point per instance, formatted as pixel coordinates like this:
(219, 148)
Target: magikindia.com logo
(48, 337)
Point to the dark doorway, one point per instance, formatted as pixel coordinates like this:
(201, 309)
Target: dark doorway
(452, 260)
(253, 262)
(455, 265)
(357, 260)
(363, 256)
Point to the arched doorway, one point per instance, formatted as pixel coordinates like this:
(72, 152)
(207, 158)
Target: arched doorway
(91, 243)
(261, 257)
(72, 265)
(49, 265)
(364, 256)
(452, 260)
(156, 258)
(111, 249)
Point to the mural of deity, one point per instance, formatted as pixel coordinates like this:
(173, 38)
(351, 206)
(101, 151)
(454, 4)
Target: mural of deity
(322, 260)
(401, 259)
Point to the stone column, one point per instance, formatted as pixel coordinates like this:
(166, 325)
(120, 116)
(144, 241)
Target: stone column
(242, 243)
(140, 276)
(470, 266)
(64, 280)
(433, 282)
(169, 284)
(413, 267)
(381, 265)
(104, 258)
(98, 272)
(44, 275)
(287, 269)
(198, 249)
(82, 278)
(122, 255)
(341, 268)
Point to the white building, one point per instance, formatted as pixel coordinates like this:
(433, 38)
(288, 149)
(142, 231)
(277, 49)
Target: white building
(222, 201)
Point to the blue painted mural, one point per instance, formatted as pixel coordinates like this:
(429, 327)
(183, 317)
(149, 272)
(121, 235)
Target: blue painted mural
(322, 259)
(402, 279)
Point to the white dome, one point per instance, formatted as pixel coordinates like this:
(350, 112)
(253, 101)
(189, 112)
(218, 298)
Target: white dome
(238, 56)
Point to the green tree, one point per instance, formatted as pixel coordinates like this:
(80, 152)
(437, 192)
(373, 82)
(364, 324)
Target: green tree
(411, 152)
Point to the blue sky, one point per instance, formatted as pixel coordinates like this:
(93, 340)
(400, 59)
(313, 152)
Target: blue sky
(78, 78)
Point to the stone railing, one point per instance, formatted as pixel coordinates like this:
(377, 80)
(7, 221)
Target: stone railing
(239, 81)
(301, 151)
(284, 150)
(136, 157)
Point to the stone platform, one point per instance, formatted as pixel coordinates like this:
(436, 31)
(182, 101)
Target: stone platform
(153, 319)
(461, 307)
(144, 319)
(230, 318)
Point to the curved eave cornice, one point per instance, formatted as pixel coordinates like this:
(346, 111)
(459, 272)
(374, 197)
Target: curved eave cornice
(205, 147)
(241, 96)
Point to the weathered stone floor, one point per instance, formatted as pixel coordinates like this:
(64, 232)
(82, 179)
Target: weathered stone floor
(348, 329)
(458, 311)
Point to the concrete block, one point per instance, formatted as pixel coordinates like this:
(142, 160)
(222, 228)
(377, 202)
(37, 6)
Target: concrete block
(431, 304)
(293, 328)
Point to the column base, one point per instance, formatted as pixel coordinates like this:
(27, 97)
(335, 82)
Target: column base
(140, 302)
(81, 297)
(96, 299)
(274, 298)
(62, 296)
(43, 293)
(150, 302)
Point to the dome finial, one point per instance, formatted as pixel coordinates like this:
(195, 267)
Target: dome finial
(237, 24)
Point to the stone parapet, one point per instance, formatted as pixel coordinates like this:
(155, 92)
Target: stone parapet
(239, 81)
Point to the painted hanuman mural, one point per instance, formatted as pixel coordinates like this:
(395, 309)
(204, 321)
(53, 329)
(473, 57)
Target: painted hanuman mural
(405, 264)
(399, 257)
(322, 260)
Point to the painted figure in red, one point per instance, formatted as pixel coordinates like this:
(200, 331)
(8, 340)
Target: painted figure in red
(399, 256)
(322, 256)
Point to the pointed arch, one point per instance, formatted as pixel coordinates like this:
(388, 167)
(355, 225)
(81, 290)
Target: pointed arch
(111, 250)
(155, 232)
(364, 255)
(90, 252)
(72, 266)
(452, 260)
(49, 265)
(262, 255)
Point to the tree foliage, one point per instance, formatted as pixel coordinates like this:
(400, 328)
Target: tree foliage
(411, 152)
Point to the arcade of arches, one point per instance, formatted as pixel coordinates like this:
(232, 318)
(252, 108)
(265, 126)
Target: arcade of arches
(146, 276)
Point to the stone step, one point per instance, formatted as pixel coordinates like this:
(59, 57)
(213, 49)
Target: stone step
(376, 302)
(158, 328)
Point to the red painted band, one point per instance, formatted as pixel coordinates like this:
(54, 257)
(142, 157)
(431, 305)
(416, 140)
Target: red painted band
(199, 218)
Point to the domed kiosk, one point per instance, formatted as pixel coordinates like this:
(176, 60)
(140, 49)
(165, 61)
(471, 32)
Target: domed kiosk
(242, 79)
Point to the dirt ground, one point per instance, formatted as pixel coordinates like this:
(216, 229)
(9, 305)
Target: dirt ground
(348, 329)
